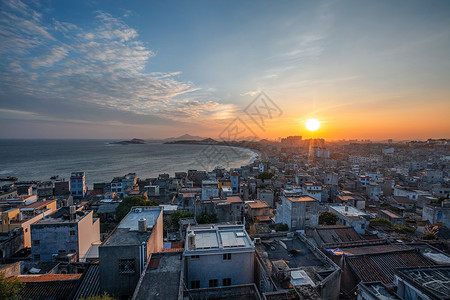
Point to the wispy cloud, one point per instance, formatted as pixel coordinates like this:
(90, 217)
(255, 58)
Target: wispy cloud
(103, 64)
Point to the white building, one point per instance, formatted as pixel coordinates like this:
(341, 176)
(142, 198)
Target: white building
(313, 189)
(351, 216)
(218, 256)
(210, 189)
(298, 212)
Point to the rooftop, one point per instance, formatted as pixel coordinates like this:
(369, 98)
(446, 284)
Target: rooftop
(348, 211)
(211, 237)
(434, 281)
(162, 277)
(257, 204)
(302, 199)
(381, 266)
(390, 214)
(293, 251)
(126, 233)
(62, 215)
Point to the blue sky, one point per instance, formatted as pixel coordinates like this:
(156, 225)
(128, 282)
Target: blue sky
(113, 69)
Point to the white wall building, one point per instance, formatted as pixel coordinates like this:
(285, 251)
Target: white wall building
(218, 256)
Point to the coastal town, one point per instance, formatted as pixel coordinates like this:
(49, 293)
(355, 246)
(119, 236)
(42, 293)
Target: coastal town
(306, 219)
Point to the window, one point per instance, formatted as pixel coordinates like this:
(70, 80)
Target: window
(36, 257)
(195, 284)
(213, 283)
(127, 266)
(227, 256)
(36, 242)
(226, 281)
(72, 232)
(195, 256)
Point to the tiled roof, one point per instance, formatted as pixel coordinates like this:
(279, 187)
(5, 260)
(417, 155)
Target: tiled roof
(48, 277)
(89, 284)
(54, 290)
(381, 267)
(338, 235)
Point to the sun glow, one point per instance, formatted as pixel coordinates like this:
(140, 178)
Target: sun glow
(312, 124)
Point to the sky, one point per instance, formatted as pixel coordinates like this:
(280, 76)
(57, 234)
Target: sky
(155, 69)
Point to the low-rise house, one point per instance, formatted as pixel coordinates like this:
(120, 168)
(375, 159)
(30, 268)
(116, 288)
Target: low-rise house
(351, 216)
(293, 262)
(218, 256)
(437, 213)
(66, 231)
(337, 235)
(298, 212)
(230, 209)
(210, 189)
(430, 282)
(390, 216)
(313, 189)
(259, 211)
(124, 253)
(266, 195)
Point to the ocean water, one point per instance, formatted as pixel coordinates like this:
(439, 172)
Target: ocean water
(42, 159)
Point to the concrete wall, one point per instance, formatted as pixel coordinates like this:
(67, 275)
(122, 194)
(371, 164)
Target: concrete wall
(110, 280)
(436, 214)
(55, 237)
(212, 266)
(10, 269)
(124, 284)
(155, 242)
(88, 232)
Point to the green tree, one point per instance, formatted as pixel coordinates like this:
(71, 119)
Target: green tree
(265, 175)
(10, 288)
(327, 218)
(205, 218)
(128, 202)
(179, 214)
(281, 227)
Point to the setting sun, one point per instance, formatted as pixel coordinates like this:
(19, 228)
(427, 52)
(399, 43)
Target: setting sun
(312, 124)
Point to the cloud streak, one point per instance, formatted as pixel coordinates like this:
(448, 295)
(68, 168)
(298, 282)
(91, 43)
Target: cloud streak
(103, 64)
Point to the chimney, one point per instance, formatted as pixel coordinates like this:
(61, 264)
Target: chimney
(191, 241)
(346, 207)
(142, 225)
(72, 212)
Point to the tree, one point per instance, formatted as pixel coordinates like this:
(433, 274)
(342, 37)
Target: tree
(128, 202)
(281, 227)
(179, 214)
(265, 175)
(327, 218)
(205, 218)
(10, 288)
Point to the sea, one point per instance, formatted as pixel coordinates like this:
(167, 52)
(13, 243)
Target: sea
(103, 160)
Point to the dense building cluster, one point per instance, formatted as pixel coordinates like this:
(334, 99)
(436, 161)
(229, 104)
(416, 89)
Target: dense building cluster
(308, 219)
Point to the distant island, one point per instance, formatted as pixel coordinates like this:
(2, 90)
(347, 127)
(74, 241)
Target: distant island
(130, 142)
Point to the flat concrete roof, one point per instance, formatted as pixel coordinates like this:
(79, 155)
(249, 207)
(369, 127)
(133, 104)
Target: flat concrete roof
(162, 277)
(218, 237)
(350, 212)
(292, 251)
(126, 233)
(150, 213)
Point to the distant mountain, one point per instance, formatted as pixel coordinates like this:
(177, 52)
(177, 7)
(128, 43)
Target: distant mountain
(185, 137)
(130, 142)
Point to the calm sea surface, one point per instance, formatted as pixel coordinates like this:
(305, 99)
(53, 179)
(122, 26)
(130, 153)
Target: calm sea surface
(41, 159)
